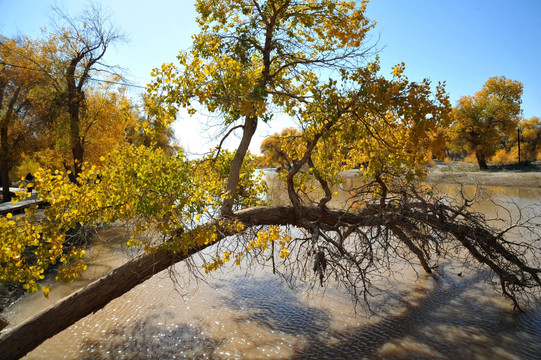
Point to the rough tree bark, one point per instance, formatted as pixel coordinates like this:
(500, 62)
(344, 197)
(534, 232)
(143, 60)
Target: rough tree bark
(5, 163)
(249, 129)
(481, 160)
(30, 334)
(75, 101)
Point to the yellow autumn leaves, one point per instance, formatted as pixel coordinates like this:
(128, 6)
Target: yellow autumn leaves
(145, 189)
(261, 245)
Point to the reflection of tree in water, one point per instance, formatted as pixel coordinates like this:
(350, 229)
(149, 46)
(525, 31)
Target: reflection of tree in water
(148, 339)
(267, 301)
(448, 322)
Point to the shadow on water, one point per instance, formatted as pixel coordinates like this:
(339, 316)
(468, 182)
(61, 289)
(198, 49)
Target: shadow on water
(446, 323)
(272, 305)
(458, 318)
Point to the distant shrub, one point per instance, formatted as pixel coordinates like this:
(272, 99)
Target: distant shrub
(470, 159)
(505, 157)
(448, 160)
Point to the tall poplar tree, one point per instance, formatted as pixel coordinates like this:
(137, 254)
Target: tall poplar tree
(482, 120)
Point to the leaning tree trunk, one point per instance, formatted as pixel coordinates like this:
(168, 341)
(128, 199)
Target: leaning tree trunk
(25, 337)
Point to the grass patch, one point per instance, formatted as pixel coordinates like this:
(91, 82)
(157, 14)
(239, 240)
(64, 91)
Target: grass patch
(531, 167)
(458, 168)
(470, 167)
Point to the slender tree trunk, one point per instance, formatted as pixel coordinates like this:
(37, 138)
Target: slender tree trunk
(5, 161)
(481, 160)
(4, 164)
(518, 143)
(250, 125)
(75, 100)
(75, 138)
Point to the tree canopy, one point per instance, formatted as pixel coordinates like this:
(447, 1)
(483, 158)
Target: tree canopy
(482, 120)
(59, 100)
(19, 102)
(84, 40)
(312, 60)
(529, 136)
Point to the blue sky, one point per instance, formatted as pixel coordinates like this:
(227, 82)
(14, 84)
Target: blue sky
(462, 42)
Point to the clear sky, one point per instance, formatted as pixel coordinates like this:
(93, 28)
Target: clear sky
(461, 42)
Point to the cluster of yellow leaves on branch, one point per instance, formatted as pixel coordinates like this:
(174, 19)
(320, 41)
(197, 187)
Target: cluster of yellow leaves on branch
(226, 75)
(143, 188)
(27, 247)
(268, 237)
(265, 239)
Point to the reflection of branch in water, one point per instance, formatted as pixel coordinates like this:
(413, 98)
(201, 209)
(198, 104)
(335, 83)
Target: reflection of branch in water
(448, 320)
(273, 306)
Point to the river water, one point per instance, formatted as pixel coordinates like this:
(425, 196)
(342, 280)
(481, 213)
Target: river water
(246, 314)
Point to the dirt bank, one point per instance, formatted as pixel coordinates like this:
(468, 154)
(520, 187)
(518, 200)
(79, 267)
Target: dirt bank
(504, 178)
(438, 175)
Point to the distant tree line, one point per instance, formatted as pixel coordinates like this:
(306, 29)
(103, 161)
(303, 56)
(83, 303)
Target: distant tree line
(487, 127)
(61, 105)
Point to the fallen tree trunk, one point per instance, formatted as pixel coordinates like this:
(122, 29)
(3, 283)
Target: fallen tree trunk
(408, 220)
(27, 336)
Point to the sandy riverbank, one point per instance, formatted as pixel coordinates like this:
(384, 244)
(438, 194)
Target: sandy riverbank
(502, 178)
(484, 178)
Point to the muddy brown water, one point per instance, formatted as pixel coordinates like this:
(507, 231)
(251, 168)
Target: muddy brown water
(240, 314)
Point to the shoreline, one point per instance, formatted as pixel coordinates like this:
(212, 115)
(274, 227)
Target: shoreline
(529, 179)
(482, 178)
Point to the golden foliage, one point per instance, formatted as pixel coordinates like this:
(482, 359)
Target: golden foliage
(480, 121)
(147, 189)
